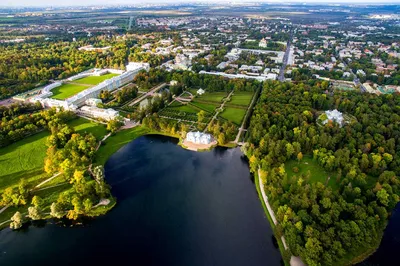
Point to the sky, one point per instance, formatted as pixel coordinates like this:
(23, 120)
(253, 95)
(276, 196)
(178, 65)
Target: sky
(114, 2)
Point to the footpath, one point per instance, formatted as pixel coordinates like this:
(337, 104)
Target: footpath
(294, 261)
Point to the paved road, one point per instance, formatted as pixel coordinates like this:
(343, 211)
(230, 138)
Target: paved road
(150, 92)
(281, 76)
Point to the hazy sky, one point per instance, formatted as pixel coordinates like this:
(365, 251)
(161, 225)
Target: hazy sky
(114, 2)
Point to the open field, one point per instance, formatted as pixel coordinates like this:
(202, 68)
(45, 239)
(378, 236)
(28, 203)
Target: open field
(25, 158)
(205, 106)
(115, 142)
(82, 125)
(67, 90)
(241, 98)
(318, 174)
(94, 80)
(184, 108)
(234, 114)
(212, 97)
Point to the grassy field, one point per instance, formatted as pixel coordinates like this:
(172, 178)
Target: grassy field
(205, 106)
(25, 158)
(241, 98)
(318, 174)
(67, 90)
(82, 125)
(184, 108)
(212, 97)
(115, 142)
(234, 114)
(94, 80)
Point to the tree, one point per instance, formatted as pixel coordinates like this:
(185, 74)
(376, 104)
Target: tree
(7, 196)
(300, 156)
(289, 150)
(34, 213)
(88, 204)
(200, 116)
(56, 210)
(221, 138)
(114, 125)
(383, 196)
(16, 221)
(37, 201)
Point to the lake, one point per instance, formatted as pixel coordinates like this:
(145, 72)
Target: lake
(175, 207)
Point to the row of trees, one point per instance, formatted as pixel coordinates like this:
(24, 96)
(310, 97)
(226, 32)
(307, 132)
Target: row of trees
(327, 225)
(14, 128)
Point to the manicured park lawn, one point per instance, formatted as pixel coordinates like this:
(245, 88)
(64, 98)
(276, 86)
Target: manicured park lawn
(318, 174)
(205, 106)
(241, 98)
(234, 114)
(67, 90)
(184, 108)
(23, 159)
(212, 97)
(82, 125)
(117, 141)
(94, 80)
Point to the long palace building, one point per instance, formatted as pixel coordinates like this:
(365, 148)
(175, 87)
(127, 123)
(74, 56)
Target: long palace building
(79, 99)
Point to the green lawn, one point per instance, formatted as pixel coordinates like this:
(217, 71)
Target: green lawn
(67, 90)
(318, 174)
(23, 159)
(117, 141)
(184, 108)
(233, 114)
(82, 125)
(94, 80)
(205, 106)
(241, 98)
(212, 97)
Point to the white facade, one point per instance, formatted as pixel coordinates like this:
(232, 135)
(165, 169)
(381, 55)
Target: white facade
(335, 116)
(93, 101)
(263, 43)
(198, 137)
(200, 91)
(133, 66)
(93, 111)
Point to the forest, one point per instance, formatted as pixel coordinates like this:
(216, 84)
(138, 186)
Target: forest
(28, 65)
(339, 220)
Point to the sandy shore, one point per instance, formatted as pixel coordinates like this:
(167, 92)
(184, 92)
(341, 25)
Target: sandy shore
(195, 147)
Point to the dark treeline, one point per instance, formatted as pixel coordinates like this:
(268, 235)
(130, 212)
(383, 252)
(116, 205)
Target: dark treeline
(20, 124)
(327, 225)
